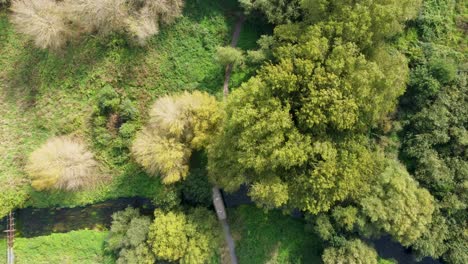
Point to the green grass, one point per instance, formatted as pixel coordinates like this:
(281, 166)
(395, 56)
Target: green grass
(43, 94)
(272, 237)
(84, 247)
(3, 254)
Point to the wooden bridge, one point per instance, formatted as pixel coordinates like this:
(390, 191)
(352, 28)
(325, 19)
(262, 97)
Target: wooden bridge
(10, 238)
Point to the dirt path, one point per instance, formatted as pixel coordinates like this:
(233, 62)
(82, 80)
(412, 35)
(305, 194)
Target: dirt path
(227, 233)
(235, 39)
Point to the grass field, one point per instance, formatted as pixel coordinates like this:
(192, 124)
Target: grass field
(271, 237)
(43, 94)
(84, 246)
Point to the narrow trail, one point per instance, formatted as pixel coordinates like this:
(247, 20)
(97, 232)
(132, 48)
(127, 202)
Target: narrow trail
(235, 39)
(216, 192)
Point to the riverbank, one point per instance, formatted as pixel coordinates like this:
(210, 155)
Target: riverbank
(83, 246)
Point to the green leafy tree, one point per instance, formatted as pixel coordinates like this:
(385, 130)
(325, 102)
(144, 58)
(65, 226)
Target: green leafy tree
(161, 155)
(127, 237)
(351, 252)
(270, 195)
(363, 22)
(189, 238)
(434, 115)
(276, 11)
(397, 205)
(300, 122)
(13, 194)
(196, 189)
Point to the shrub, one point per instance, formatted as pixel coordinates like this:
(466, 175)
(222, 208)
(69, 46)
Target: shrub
(62, 163)
(44, 21)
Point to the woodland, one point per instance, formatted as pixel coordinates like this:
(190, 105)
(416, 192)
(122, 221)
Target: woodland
(352, 113)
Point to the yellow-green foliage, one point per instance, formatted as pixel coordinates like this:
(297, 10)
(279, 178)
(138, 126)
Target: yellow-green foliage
(161, 155)
(354, 251)
(204, 116)
(271, 195)
(398, 205)
(229, 55)
(191, 238)
(177, 125)
(62, 163)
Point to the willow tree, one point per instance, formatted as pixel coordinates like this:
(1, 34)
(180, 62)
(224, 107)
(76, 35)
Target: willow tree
(178, 125)
(51, 24)
(62, 163)
(299, 126)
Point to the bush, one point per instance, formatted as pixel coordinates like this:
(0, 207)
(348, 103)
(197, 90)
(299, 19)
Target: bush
(62, 163)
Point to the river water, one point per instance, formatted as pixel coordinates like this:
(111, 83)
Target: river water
(31, 222)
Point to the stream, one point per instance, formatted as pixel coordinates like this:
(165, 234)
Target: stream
(31, 222)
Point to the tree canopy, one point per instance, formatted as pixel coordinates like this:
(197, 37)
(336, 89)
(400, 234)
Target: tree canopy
(178, 124)
(62, 163)
(354, 251)
(298, 127)
(189, 238)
